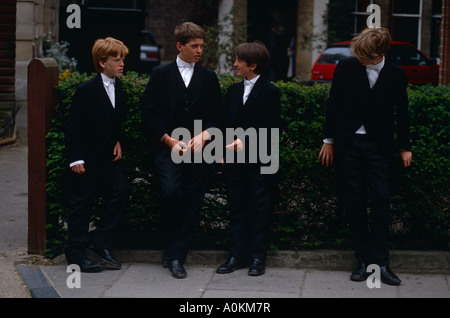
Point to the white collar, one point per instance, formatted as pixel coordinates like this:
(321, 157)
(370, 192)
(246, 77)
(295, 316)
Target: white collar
(252, 81)
(106, 80)
(376, 67)
(181, 63)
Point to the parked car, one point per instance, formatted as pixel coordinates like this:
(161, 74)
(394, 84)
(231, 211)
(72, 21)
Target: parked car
(150, 52)
(419, 68)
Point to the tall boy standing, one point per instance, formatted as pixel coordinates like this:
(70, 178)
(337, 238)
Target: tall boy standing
(92, 137)
(252, 103)
(367, 95)
(177, 94)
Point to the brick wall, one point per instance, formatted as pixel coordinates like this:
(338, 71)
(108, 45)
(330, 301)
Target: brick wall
(7, 54)
(162, 18)
(444, 71)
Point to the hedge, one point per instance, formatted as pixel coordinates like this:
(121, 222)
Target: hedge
(308, 214)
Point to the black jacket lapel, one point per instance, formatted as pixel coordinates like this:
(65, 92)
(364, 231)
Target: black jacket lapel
(256, 88)
(382, 77)
(250, 103)
(364, 80)
(100, 88)
(237, 104)
(173, 76)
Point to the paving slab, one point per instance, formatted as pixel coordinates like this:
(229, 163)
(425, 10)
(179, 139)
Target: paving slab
(424, 286)
(337, 284)
(153, 281)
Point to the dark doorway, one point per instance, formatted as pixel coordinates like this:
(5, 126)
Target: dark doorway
(96, 22)
(274, 22)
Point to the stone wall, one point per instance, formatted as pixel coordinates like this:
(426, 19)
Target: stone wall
(36, 19)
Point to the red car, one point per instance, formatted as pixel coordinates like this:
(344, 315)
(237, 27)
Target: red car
(419, 68)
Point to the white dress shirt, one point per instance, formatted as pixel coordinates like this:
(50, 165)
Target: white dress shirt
(108, 83)
(373, 71)
(186, 70)
(248, 86)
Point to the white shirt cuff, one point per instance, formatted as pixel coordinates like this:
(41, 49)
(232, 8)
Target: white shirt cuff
(76, 163)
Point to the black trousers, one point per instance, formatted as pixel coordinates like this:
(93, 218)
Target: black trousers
(183, 187)
(83, 189)
(363, 174)
(249, 195)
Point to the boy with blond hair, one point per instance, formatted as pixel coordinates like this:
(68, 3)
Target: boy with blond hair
(94, 151)
(367, 96)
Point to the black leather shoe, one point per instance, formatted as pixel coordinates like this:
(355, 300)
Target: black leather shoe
(388, 277)
(86, 265)
(257, 268)
(165, 260)
(360, 273)
(229, 266)
(104, 255)
(177, 269)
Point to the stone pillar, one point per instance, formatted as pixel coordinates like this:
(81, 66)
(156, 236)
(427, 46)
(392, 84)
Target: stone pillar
(310, 35)
(232, 18)
(35, 18)
(226, 23)
(303, 58)
(240, 21)
(319, 29)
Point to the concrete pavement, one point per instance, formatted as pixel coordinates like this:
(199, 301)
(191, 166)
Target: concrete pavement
(301, 277)
(303, 274)
(14, 211)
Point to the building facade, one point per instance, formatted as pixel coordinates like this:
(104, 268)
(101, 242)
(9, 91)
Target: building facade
(294, 30)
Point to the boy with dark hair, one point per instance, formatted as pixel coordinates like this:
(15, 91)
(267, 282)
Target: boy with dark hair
(176, 95)
(92, 138)
(366, 96)
(252, 103)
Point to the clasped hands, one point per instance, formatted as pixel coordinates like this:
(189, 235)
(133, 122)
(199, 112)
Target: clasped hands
(194, 145)
(197, 143)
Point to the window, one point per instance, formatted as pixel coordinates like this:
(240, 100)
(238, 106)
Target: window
(407, 21)
(360, 15)
(406, 6)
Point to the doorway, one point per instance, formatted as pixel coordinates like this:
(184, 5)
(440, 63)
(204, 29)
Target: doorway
(274, 22)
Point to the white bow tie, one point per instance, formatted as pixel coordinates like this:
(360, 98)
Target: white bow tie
(187, 66)
(374, 67)
(248, 83)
